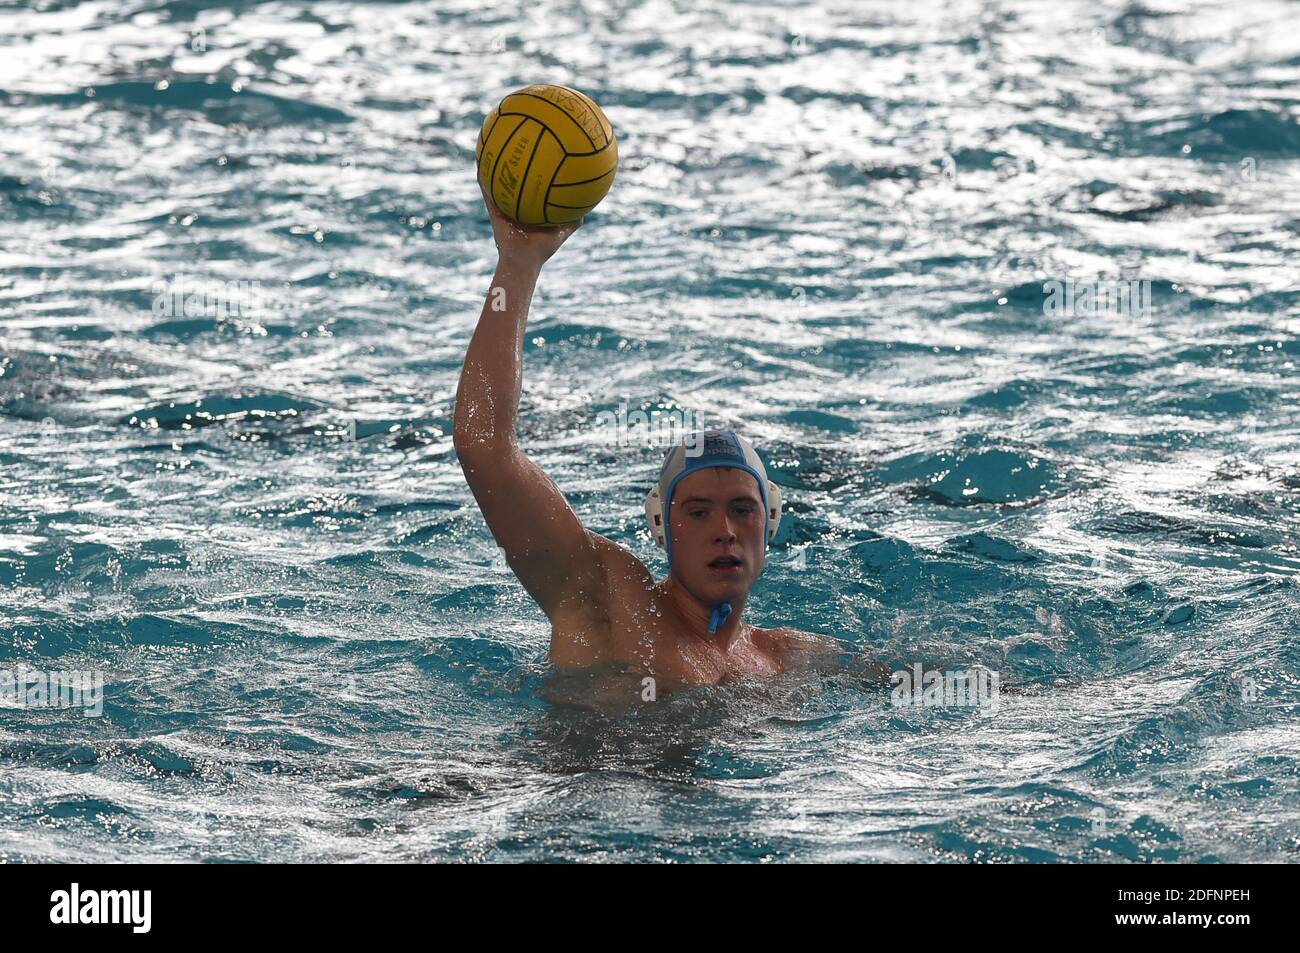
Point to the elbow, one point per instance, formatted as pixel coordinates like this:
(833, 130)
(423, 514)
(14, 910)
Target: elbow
(477, 435)
(475, 447)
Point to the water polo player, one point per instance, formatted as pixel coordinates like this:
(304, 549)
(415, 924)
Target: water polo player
(713, 510)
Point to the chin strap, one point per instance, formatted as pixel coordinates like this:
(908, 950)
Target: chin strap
(719, 617)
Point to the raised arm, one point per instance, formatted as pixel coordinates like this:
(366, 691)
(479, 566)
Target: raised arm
(547, 547)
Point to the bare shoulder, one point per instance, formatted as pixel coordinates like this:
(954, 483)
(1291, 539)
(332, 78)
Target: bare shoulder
(625, 582)
(585, 629)
(619, 563)
(795, 638)
(795, 648)
(619, 609)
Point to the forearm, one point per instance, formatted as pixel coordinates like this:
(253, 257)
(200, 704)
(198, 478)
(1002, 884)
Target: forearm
(487, 398)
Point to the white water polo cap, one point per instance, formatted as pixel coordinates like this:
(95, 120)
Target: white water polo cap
(701, 451)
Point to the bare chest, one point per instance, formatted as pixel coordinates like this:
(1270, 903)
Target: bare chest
(642, 633)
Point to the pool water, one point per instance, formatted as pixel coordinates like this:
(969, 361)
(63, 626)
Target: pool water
(243, 253)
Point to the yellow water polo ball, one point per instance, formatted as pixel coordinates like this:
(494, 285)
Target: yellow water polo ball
(546, 155)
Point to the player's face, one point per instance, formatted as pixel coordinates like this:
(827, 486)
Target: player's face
(717, 523)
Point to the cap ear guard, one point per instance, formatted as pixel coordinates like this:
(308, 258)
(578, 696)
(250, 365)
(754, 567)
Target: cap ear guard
(654, 517)
(654, 514)
(773, 509)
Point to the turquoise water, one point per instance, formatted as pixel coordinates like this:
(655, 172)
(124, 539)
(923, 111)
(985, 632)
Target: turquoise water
(830, 230)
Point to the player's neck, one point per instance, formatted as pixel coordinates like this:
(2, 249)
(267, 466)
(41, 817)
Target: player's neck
(695, 615)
